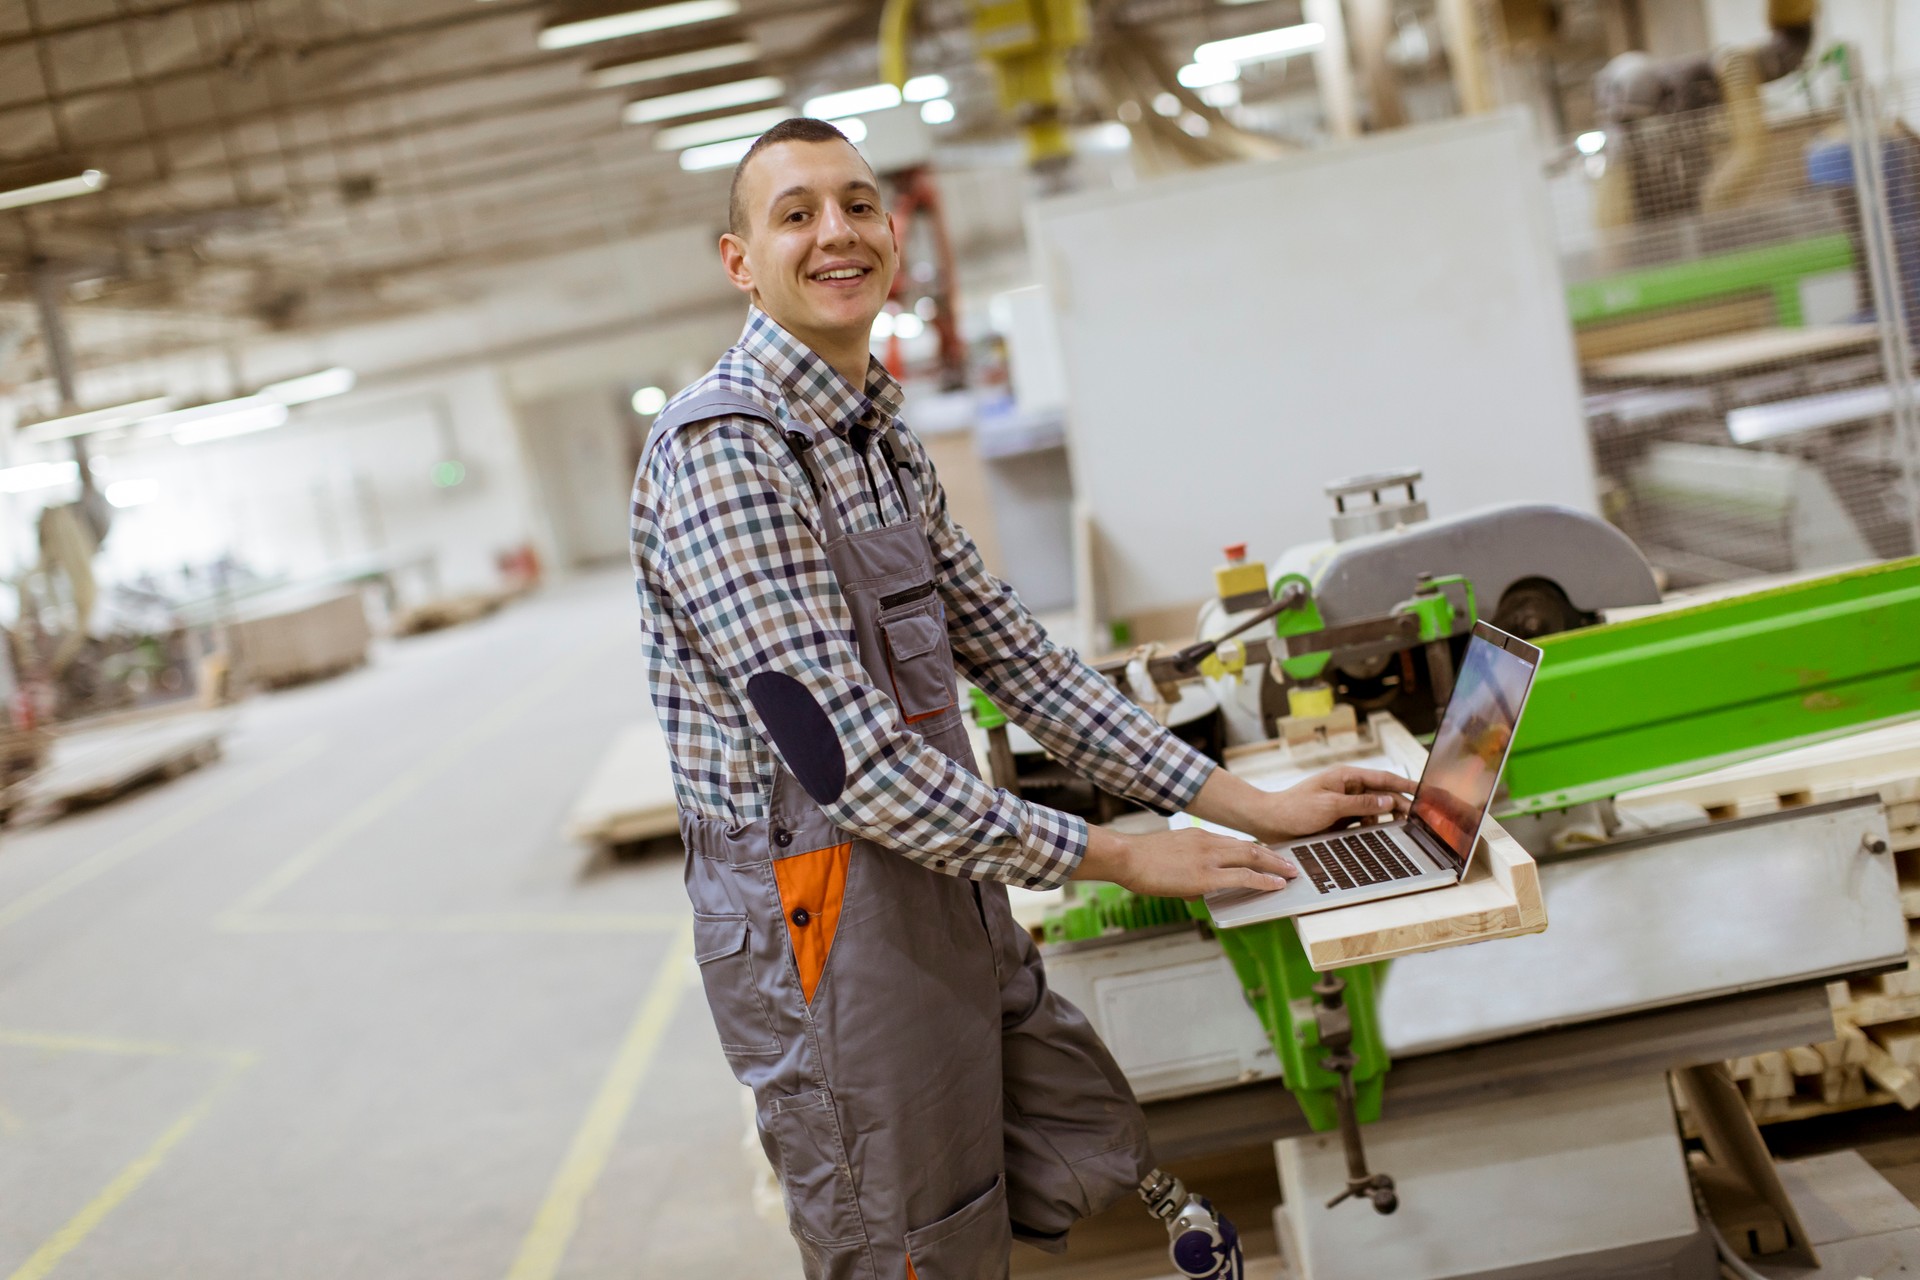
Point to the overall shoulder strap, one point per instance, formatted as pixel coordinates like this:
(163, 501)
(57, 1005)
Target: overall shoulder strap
(720, 402)
(893, 447)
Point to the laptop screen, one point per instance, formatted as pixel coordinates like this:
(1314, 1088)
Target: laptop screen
(1470, 747)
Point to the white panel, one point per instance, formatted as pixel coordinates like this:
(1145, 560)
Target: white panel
(1707, 914)
(1236, 338)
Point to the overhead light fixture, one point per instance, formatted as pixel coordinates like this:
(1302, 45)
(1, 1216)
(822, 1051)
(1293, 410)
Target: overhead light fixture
(613, 74)
(38, 475)
(1591, 143)
(336, 381)
(80, 424)
(132, 493)
(1199, 75)
(1264, 46)
(852, 102)
(924, 88)
(715, 155)
(39, 183)
(633, 21)
(648, 401)
(723, 129)
(938, 111)
(738, 93)
(239, 419)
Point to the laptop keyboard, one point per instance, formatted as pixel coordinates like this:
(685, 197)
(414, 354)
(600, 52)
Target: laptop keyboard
(1351, 861)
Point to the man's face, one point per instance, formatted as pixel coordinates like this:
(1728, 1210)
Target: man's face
(820, 253)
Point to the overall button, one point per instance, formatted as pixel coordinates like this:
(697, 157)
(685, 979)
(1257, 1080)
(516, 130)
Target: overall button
(800, 917)
(782, 837)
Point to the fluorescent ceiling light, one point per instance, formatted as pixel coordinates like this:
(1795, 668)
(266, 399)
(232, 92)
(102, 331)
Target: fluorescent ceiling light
(939, 111)
(336, 381)
(855, 131)
(80, 424)
(648, 401)
(235, 422)
(83, 183)
(925, 88)
(853, 102)
(673, 64)
(161, 423)
(132, 493)
(1198, 75)
(715, 155)
(747, 124)
(1591, 142)
(712, 98)
(38, 475)
(1263, 46)
(568, 35)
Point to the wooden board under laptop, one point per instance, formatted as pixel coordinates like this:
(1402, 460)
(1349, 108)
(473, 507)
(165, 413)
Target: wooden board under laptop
(1500, 898)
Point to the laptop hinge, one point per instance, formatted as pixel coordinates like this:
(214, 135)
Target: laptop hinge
(1434, 845)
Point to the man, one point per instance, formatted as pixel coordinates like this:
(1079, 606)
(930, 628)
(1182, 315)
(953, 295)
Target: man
(807, 601)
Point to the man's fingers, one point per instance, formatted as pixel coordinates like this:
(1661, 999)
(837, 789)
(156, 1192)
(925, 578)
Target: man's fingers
(1248, 878)
(1381, 780)
(1371, 805)
(1259, 857)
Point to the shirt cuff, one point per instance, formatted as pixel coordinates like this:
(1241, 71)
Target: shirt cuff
(1054, 844)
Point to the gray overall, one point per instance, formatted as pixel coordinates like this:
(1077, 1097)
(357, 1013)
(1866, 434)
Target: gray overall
(923, 1095)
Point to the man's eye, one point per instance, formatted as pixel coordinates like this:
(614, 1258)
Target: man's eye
(796, 215)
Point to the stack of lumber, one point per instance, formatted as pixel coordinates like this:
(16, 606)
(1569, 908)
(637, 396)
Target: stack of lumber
(22, 751)
(1874, 1058)
(630, 796)
(448, 611)
(275, 647)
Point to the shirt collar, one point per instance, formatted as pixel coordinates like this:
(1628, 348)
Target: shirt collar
(811, 384)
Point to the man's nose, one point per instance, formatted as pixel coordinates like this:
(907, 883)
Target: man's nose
(835, 226)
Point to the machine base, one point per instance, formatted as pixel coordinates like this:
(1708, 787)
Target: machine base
(1583, 1182)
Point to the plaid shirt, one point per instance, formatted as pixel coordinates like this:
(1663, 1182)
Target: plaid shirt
(733, 582)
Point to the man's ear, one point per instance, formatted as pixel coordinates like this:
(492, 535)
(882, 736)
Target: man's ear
(733, 256)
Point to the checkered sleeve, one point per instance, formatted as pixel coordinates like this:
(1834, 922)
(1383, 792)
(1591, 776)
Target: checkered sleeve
(747, 571)
(1069, 708)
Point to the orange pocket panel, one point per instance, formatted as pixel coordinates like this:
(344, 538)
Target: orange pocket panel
(812, 885)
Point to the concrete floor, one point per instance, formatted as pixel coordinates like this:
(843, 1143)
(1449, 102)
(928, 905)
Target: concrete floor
(346, 1003)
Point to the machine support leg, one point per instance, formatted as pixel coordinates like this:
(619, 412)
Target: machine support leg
(1336, 1036)
(1440, 671)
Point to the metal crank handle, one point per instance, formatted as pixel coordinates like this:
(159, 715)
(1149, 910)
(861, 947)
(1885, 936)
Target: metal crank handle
(1203, 1243)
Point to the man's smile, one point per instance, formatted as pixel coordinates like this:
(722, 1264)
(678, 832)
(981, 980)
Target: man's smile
(841, 275)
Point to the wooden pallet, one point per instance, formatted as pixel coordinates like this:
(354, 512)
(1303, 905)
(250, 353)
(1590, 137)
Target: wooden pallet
(630, 796)
(93, 766)
(450, 611)
(1874, 1059)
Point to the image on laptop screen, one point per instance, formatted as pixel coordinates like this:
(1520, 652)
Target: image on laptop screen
(1463, 765)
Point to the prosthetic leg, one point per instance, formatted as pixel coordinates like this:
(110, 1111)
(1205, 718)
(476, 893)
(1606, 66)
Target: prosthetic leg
(1202, 1243)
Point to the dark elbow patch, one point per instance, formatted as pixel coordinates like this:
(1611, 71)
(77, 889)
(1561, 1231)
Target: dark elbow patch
(802, 731)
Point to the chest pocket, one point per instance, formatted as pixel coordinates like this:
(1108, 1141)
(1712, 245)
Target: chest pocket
(913, 629)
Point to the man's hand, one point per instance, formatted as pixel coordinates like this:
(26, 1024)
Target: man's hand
(1182, 864)
(1330, 796)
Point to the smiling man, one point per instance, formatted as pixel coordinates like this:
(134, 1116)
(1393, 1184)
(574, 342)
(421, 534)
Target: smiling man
(808, 603)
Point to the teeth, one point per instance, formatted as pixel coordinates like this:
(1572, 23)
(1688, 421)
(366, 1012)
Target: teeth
(840, 273)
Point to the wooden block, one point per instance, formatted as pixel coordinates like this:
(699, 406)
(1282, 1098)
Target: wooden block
(1899, 1040)
(1809, 1060)
(1904, 841)
(1896, 1079)
(1866, 1011)
(1903, 816)
(630, 795)
(1898, 790)
(1839, 995)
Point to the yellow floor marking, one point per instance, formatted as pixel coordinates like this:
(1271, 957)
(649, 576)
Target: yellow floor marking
(557, 922)
(157, 832)
(545, 1245)
(389, 797)
(125, 1183)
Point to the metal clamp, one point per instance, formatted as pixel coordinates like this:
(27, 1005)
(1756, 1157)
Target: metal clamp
(1336, 1035)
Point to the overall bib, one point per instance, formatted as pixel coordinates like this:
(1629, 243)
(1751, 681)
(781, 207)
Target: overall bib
(923, 1095)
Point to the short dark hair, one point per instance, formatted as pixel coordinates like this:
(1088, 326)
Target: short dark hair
(792, 129)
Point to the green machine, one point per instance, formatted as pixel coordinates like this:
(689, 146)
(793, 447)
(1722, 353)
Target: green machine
(1615, 707)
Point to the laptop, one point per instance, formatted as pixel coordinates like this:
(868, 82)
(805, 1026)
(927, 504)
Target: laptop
(1434, 845)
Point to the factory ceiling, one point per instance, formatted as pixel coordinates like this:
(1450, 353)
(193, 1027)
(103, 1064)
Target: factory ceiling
(291, 165)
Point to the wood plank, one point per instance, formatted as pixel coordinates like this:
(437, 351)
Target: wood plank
(1897, 1080)
(96, 765)
(1884, 760)
(1500, 898)
(1731, 352)
(630, 794)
